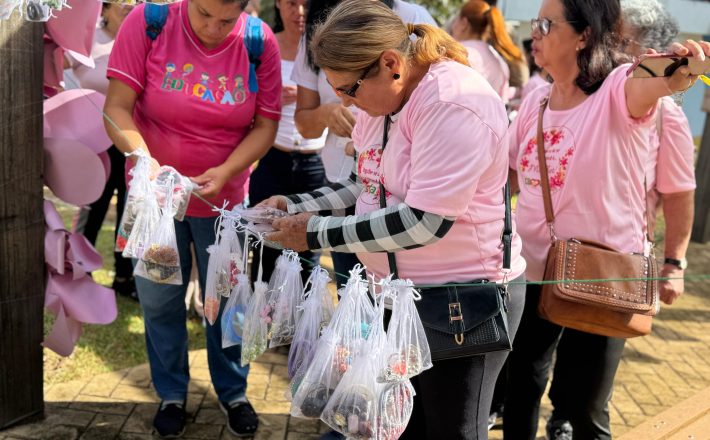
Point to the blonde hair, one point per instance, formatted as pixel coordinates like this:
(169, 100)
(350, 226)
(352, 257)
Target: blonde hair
(356, 33)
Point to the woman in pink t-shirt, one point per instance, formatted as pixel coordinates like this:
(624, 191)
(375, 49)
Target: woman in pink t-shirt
(596, 126)
(670, 181)
(183, 96)
(443, 170)
(476, 25)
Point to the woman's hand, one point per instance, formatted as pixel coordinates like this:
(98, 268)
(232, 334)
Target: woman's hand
(682, 80)
(340, 120)
(671, 289)
(288, 95)
(211, 181)
(291, 231)
(277, 202)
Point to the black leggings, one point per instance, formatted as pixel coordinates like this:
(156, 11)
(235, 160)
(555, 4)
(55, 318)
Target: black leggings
(583, 382)
(453, 398)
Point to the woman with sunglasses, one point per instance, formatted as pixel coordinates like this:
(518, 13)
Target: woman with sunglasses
(442, 171)
(596, 125)
(319, 110)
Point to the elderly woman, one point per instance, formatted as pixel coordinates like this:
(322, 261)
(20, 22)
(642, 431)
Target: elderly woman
(444, 205)
(671, 182)
(597, 171)
(319, 111)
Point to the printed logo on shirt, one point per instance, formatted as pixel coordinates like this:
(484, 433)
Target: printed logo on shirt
(559, 149)
(217, 89)
(369, 164)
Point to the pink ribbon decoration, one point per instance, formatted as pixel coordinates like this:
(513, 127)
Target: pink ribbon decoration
(71, 295)
(72, 29)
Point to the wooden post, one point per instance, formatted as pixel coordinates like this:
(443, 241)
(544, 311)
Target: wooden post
(21, 222)
(701, 222)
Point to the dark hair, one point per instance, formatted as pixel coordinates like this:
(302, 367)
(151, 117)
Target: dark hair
(601, 21)
(278, 23)
(318, 11)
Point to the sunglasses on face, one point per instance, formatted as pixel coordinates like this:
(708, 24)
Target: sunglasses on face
(353, 89)
(544, 24)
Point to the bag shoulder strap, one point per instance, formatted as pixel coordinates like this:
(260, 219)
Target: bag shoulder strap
(254, 42)
(155, 17)
(544, 178)
(506, 235)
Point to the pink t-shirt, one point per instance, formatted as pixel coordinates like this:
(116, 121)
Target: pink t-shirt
(490, 64)
(533, 83)
(596, 154)
(194, 106)
(670, 168)
(446, 155)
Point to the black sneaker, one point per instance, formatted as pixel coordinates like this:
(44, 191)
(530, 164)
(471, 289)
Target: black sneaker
(241, 418)
(558, 430)
(169, 421)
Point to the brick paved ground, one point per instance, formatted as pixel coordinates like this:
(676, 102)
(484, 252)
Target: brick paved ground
(657, 372)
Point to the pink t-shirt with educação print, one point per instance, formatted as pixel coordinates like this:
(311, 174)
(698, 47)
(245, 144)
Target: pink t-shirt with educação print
(194, 106)
(446, 155)
(597, 156)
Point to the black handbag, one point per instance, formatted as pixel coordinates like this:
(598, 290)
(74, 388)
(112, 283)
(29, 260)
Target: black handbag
(463, 320)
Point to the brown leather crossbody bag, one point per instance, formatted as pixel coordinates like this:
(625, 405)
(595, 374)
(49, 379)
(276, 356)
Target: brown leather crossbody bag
(594, 288)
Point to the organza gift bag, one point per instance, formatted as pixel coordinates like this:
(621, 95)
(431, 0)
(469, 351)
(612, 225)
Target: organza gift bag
(223, 257)
(284, 301)
(256, 322)
(406, 352)
(317, 310)
(140, 190)
(235, 311)
(181, 189)
(340, 344)
(234, 314)
(262, 217)
(395, 403)
(160, 261)
(353, 408)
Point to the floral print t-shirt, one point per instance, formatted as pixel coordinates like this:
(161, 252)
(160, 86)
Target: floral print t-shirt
(596, 155)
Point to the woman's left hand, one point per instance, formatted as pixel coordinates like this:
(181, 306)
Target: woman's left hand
(291, 231)
(211, 181)
(682, 80)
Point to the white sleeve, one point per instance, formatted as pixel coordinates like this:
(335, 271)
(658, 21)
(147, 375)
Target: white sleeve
(302, 73)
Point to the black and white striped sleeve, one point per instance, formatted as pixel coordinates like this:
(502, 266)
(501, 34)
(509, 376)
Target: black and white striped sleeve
(394, 228)
(333, 199)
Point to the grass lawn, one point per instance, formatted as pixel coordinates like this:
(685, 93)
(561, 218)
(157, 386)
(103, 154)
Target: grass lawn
(104, 348)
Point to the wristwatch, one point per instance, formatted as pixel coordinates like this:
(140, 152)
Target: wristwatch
(681, 264)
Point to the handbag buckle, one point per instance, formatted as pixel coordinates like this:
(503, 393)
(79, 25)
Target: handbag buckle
(456, 315)
(455, 312)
